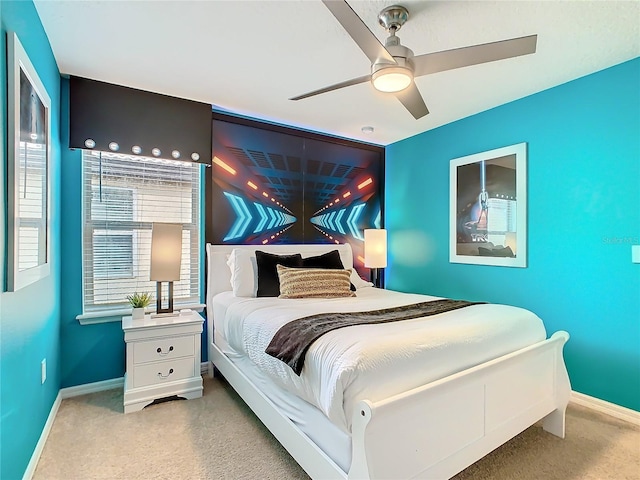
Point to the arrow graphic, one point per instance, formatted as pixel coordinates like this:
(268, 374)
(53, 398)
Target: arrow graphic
(244, 217)
(263, 217)
(339, 219)
(353, 219)
(330, 223)
(274, 219)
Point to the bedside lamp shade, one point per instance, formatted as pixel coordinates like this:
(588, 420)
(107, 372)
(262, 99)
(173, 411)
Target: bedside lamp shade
(375, 252)
(375, 248)
(166, 252)
(166, 255)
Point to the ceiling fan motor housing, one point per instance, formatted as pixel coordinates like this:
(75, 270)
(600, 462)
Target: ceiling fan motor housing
(393, 17)
(401, 54)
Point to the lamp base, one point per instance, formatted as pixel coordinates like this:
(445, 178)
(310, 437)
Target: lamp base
(376, 277)
(159, 308)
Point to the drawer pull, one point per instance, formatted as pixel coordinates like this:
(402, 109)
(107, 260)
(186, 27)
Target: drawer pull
(167, 375)
(159, 350)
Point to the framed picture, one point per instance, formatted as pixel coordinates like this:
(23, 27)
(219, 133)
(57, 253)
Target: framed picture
(28, 177)
(488, 208)
(271, 184)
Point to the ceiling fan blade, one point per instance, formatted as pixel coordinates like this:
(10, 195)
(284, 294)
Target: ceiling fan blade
(412, 100)
(474, 55)
(356, 28)
(346, 83)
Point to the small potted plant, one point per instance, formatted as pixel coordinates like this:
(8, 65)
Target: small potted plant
(139, 301)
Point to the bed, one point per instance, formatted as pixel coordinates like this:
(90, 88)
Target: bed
(339, 419)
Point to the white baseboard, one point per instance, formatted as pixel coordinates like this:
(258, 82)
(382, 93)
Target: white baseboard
(69, 392)
(35, 456)
(607, 408)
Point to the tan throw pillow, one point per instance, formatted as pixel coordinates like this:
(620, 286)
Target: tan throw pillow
(314, 282)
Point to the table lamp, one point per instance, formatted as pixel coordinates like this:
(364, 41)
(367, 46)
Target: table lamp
(375, 252)
(166, 254)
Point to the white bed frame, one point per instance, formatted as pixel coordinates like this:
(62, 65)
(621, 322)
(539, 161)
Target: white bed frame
(433, 431)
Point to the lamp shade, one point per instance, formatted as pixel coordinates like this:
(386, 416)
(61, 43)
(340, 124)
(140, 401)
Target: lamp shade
(375, 248)
(166, 252)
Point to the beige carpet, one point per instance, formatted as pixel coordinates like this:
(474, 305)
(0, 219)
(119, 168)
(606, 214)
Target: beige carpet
(217, 437)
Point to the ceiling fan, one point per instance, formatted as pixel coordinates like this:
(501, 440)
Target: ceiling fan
(394, 66)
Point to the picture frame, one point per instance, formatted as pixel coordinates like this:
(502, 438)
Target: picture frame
(28, 175)
(292, 187)
(488, 208)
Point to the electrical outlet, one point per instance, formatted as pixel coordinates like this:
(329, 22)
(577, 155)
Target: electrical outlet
(43, 370)
(635, 253)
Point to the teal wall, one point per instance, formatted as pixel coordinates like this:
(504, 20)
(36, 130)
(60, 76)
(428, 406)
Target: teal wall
(583, 216)
(29, 318)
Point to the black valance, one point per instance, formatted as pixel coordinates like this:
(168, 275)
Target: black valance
(111, 117)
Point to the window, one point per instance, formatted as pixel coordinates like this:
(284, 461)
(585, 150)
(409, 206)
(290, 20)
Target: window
(122, 197)
(108, 246)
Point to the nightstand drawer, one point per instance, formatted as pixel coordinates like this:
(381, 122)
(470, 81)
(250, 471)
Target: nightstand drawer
(162, 349)
(163, 372)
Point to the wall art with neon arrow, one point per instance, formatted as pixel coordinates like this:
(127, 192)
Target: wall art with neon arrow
(275, 185)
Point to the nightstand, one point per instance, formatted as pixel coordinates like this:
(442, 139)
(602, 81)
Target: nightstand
(163, 358)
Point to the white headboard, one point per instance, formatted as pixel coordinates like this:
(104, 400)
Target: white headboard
(219, 275)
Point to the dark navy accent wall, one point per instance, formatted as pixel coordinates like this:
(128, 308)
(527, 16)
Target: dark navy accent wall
(583, 216)
(29, 317)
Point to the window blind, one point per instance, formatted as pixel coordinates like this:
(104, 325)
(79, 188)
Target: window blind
(122, 197)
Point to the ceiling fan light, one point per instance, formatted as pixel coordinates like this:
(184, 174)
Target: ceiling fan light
(392, 79)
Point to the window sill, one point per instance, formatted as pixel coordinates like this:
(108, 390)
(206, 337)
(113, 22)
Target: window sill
(108, 316)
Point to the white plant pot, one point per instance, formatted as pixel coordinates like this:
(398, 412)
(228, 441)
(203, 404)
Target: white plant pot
(137, 315)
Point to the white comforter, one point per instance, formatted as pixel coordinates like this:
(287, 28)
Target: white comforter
(372, 361)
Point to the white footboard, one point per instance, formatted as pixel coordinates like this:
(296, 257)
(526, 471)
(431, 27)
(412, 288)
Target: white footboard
(437, 430)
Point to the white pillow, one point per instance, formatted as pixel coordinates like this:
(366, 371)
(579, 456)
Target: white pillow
(357, 280)
(244, 272)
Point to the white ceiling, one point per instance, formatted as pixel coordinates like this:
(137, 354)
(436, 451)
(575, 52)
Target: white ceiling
(249, 57)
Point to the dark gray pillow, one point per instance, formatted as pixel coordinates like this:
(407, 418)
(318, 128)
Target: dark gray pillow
(268, 281)
(329, 260)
